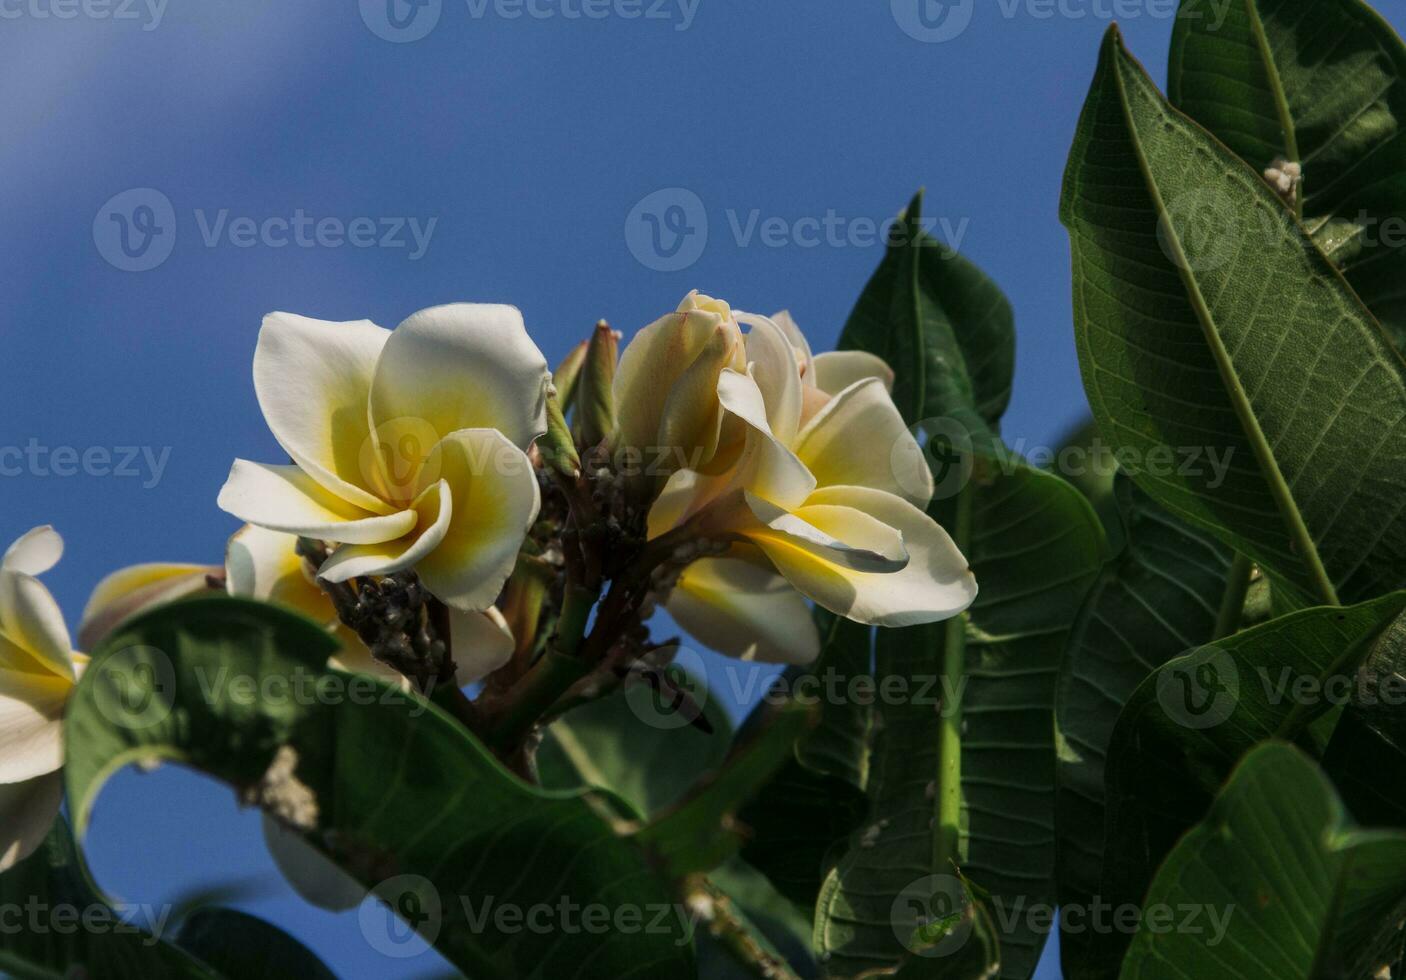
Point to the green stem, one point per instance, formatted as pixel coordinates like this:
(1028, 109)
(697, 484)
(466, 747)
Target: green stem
(947, 836)
(1232, 607)
(554, 673)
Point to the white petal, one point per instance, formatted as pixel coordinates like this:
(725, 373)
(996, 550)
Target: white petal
(837, 370)
(27, 814)
(434, 510)
(464, 366)
(838, 535)
(767, 468)
(265, 565)
(739, 609)
(284, 498)
(31, 619)
(936, 584)
(793, 333)
(312, 875)
(34, 552)
(481, 643)
(496, 500)
(772, 363)
(31, 723)
(858, 439)
(136, 589)
(313, 378)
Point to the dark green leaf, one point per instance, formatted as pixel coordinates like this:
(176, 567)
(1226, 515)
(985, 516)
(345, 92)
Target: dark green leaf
(57, 926)
(240, 945)
(1035, 546)
(1158, 598)
(1206, 320)
(390, 788)
(945, 328)
(1188, 724)
(1322, 82)
(1299, 893)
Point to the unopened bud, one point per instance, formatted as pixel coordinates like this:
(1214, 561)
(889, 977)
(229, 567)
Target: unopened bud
(568, 372)
(557, 447)
(595, 402)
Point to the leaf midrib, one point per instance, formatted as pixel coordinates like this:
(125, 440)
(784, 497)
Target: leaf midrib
(1244, 411)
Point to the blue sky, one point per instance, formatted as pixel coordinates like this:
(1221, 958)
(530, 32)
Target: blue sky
(495, 158)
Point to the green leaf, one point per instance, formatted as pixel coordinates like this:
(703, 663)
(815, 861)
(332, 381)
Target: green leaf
(797, 827)
(1367, 754)
(1035, 546)
(606, 744)
(945, 328)
(700, 832)
(1093, 471)
(1207, 320)
(58, 926)
(1308, 896)
(1187, 725)
(241, 945)
(800, 819)
(1158, 598)
(1322, 82)
(396, 792)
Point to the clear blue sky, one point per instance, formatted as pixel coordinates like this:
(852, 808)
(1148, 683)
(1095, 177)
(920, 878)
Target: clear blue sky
(529, 142)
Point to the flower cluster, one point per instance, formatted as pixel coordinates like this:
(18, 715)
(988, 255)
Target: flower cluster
(443, 519)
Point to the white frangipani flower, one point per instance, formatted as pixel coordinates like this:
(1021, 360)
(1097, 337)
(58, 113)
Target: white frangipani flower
(826, 490)
(38, 671)
(409, 446)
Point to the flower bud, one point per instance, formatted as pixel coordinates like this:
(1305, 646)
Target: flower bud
(667, 387)
(568, 372)
(595, 403)
(557, 447)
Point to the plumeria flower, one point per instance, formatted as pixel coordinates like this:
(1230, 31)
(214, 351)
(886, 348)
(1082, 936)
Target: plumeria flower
(408, 446)
(265, 565)
(137, 588)
(826, 489)
(38, 671)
